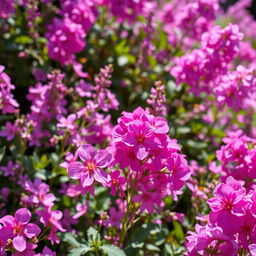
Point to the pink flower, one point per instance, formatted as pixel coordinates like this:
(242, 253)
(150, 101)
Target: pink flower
(6, 8)
(179, 171)
(115, 218)
(27, 252)
(81, 12)
(65, 38)
(40, 193)
(19, 228)
(10, 131)
(147, 198)
(84, 89)
(92, 167)
(227, 205)
(52, 219)
(210, 239)
(46, 252)
(67, 123)
(140, 137)
(7, 102)
(82, 209)
(116, 183)
(11, 169)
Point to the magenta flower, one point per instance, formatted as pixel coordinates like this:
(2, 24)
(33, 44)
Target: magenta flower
(115, 218)
(92, 167)
(6, 8)
(228, 205)
(147, 198)
(65, 38)
(39, 193)
(67, 122)
(207, 239)
(10, 131)
(27, 252)
(46, 252)
(116, 183)
(179, 172)
(51, 217)
(140, 137)
(20, 228)
(11, 169)
(81, 210)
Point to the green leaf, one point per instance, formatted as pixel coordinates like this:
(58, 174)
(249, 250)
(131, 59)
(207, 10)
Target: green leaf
(93, 234)
(178, 231)
(112, 250)
(23, 40)
(70, 239)
(80, 250)
(152, 248)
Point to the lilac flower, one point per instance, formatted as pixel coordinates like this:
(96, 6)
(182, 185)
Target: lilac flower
(39, 193)
(81, 210)
(92, 167)
(10, 131)
(65, 38)
(46, 252)
(7, 103)
(80, 12)
(67, 123)
(19, 228)
(6, 8)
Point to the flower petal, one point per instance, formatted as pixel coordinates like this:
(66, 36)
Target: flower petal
(23, 216)
(19, 243)
(141, 152)
(101, 176)
(103, 158)
(7, 220)
(31, 230)
(87, 180)
(86, 152)
(75, 170)
(6, 233)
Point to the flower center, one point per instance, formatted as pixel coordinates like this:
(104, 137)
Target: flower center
(228, 205)
(18, 229)
(91, 166)
(140, 138)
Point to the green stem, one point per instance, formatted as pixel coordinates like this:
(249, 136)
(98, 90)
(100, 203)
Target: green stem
(125, 223)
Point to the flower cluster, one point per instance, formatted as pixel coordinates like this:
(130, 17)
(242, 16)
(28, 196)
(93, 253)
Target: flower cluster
(66, 36)
(7, 102)
(157, 99)
(141, 144)
(239, 84)
(134, 124)
(6, 8)
(48, 101)
(65, 39)
(127, 10)
(232, 222)
(202, 67)
(237, 157)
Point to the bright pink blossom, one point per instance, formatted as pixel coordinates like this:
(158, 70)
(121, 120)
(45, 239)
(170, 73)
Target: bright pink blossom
(92, 166)
(18, 228)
